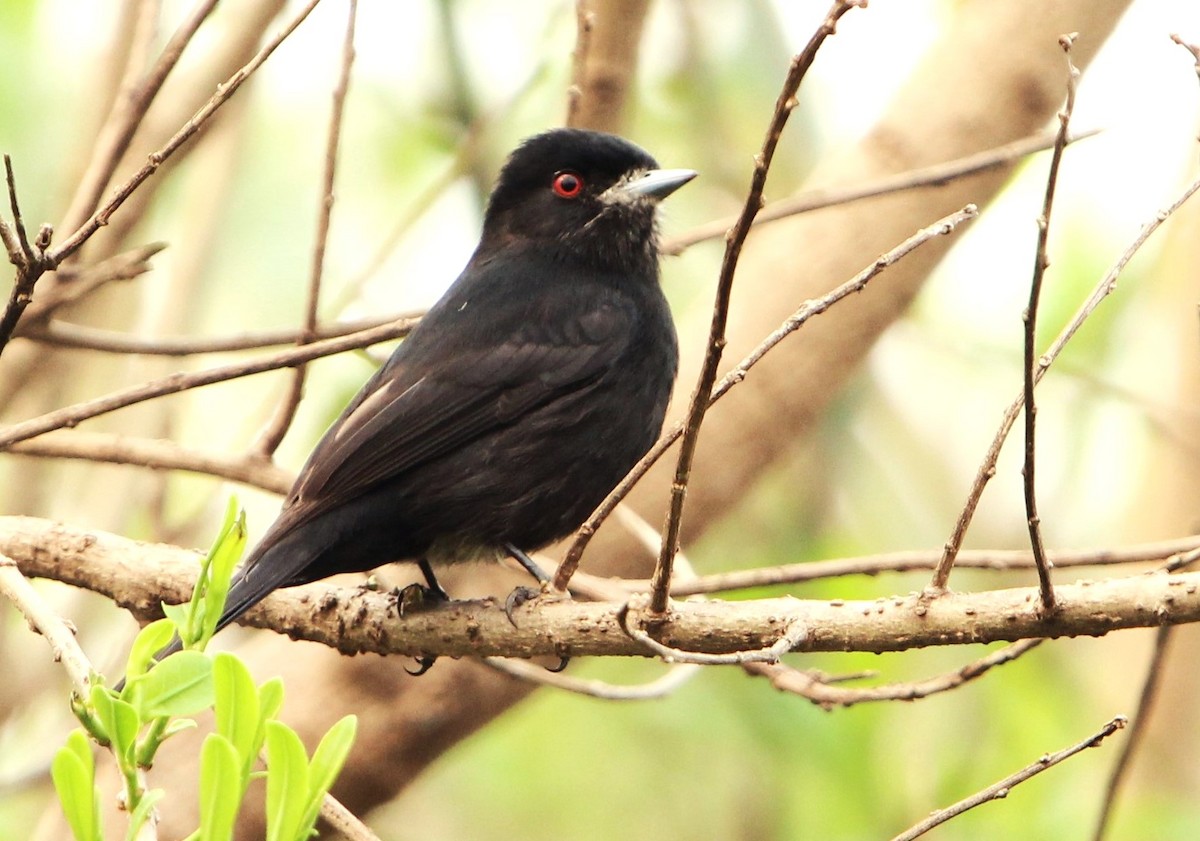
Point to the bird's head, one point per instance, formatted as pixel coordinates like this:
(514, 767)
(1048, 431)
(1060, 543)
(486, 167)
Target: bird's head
(581, 195)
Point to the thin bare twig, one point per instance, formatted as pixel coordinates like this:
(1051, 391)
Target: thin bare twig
(574, 554)
(1000, 790)
(1191, 48)
(29, 259)
(660, 687)
(1040, 261)
(156, 454)
(987, 559)
(701, 395)
(934, 175)
(1150, 686)
(81, 336)
(224, 91)
(1182, 560)
(345, 822)
(82, 280)
(69, 416)
(819, 690)
(793, 634)
(272, 436)
(59, 636)
(988, 468)
(136, 91)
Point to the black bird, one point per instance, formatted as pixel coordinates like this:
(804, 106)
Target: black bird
(522, 397)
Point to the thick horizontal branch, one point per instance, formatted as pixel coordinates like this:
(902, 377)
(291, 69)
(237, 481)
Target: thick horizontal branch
(136, 576)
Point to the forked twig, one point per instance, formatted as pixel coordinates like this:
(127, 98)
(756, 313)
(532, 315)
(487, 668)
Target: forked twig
(823, 693)
(29, 259)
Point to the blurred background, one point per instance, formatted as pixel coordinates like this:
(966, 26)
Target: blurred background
(440, 92)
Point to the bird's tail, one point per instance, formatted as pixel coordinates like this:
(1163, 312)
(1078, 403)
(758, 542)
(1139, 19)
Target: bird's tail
(272, 564)
(244, 593)
(246, 589)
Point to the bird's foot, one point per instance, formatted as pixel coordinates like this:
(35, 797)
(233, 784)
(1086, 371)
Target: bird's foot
(417, 597)
(421, 597)
(517, 598)
(520, 596)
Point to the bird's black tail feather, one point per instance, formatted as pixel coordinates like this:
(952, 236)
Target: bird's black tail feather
(253, 581)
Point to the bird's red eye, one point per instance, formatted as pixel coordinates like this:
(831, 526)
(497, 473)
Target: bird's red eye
(568, 185)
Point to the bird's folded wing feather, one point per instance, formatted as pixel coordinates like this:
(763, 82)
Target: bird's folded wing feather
(403, 419)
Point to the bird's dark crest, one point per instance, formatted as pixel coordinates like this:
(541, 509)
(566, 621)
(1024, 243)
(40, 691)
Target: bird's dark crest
(617, 235)
(605, 157)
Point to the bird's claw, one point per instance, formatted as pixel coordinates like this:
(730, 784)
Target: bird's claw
(418, 597)
(424, 663)
(517, 598)
(520, 596)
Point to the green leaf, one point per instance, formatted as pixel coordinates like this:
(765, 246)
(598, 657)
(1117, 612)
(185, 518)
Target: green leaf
(178, 725)
(149, 641)
(287, 784)
(237, 707)
(329, 757)
(196, 621)
(223, 558)
(222, 785)
(120, 722)
(270, 699)
(177, 614)
(142, 813)
(74, 774)
(179, 685)
(327, 762)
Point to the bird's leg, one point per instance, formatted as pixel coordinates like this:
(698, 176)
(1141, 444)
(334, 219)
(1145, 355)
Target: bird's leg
(521, 595)
(435, 588)
(415, 595)
(528, 563)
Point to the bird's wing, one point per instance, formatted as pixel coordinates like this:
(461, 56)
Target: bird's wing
(413, 411)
